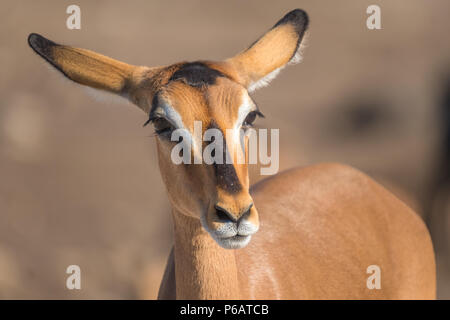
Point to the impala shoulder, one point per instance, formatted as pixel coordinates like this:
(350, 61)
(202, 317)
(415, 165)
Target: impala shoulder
(322, 178)
(335, 173)
(332, 169)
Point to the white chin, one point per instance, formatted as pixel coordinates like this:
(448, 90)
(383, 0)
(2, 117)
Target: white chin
(236, 242)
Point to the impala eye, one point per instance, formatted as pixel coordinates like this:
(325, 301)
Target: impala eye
(162, 127)
(250, 119)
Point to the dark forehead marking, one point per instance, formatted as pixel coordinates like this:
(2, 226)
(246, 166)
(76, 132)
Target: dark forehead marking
(226, 175)
(196, 74)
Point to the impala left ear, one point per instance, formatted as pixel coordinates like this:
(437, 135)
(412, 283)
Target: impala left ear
(97, 71)
(262, 61)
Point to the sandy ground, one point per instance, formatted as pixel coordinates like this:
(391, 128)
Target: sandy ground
(79, 182)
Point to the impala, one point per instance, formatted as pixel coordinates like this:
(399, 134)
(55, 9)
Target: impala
(306, 233)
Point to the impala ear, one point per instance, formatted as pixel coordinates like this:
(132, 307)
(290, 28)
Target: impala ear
(92, 69)
(262, 61)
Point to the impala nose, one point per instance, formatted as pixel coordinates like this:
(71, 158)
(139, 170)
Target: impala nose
(231, 224)
(225, 215)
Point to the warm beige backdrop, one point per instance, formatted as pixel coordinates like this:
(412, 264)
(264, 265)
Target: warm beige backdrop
(79, 182)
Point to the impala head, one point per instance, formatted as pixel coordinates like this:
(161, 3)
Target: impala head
(214, 94)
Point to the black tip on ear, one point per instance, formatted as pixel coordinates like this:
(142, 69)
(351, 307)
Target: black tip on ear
(298, 18)
(41, 45)
(44, 48)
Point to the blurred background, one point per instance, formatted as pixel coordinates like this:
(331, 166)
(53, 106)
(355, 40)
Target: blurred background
(79, 181)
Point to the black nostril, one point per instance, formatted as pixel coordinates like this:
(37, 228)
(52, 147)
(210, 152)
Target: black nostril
(247, 212)
(223, 214)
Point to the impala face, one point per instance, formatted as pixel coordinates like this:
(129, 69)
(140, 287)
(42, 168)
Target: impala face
(214, 94)
(218, 193)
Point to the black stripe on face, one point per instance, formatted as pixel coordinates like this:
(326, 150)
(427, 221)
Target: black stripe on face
(226, 175)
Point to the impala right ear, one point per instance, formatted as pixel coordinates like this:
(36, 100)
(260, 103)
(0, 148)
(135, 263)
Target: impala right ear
(262, 61)
(94, 70)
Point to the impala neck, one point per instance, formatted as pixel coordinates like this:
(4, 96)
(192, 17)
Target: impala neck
(203, 270)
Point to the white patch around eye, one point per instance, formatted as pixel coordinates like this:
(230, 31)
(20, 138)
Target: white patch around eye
(167, 111)
(234, 140)
(172, 115)
(296, 58)
(244, 109)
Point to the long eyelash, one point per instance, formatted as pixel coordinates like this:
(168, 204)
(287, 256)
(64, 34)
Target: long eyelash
(259, 114)
(150, 120)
